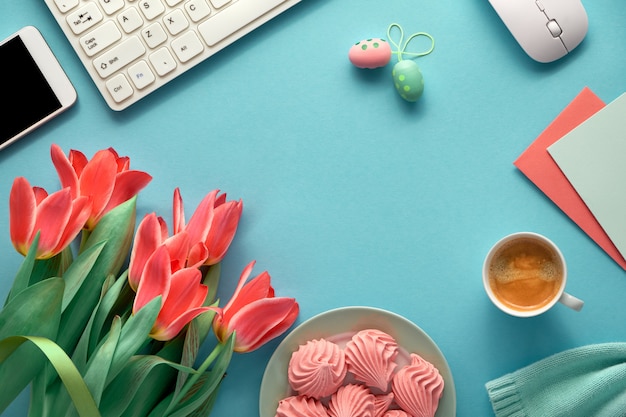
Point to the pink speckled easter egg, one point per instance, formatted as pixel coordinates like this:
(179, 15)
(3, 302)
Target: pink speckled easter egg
(370, 53)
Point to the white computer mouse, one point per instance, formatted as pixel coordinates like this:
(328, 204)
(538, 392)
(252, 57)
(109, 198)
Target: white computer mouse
(545, 29)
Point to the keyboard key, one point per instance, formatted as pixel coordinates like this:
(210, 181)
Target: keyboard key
(84, 18)
(151, 8)
(233, 18)
(119, 88)
(154, 35)
(65, 6)
(100, 38)
(162, 61)
(118, 57)
(197, 9)
(133, 47)
(219, 3)
(111, 6)
(187, 46)
(141, 74)
(175, 22)
(130, 20)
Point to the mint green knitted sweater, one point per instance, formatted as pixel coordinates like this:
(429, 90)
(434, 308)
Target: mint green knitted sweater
(588, 381)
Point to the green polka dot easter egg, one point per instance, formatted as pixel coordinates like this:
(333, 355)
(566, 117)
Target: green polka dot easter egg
(408, 80)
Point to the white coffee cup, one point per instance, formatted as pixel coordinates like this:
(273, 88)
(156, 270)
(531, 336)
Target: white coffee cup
(524, 275)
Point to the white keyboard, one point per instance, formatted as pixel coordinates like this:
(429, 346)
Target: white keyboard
(132, 47)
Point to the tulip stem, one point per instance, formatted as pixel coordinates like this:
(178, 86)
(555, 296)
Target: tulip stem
(217, 350)
(84, 236)
(194, 377)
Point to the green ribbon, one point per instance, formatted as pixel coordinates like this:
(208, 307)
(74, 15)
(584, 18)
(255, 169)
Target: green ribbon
(76, 387)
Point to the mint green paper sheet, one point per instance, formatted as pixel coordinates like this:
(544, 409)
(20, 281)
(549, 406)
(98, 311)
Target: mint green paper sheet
(593, 158)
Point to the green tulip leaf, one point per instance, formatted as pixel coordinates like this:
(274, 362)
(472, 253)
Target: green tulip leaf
(199, 387)
(212, 280)
(46, 268)
(207, 405)
(22, 278)
(65, 259)
(99, 365)
(116, 230)
(35, 311)
(83, 349)
(106, 309)
(192, 340)
(134, 336)
(204, 323)
(39, 385)
(160, 383)
(78, 271)
(189, 353)
(120, 344)
(147, 373)
(34, 270)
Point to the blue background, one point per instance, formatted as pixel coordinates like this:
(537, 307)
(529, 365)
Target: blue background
(353, 196)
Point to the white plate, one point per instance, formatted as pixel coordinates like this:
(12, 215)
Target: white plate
(275, 385)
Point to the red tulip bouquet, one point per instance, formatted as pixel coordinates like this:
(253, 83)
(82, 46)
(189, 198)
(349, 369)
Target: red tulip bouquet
(105, 320)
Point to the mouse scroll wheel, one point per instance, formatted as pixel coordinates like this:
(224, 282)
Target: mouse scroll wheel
(554, 28)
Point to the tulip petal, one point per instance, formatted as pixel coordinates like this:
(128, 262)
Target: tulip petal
(186, 292)
(155, 279)
(169, 332)
(52, 216)
(127, 185)
(256, 289)
(123, 162)
(261, 321)
(223, 229)
(65, 170)
(286, 323)
(78, 160)
(40, 194)
(178, 211)
(98, 180)
(242, 280)
(198, 254)
(115, 154)
(163, 227)
(178, 247)
(200, 222)
(147, 240)
(220, 199)
(22, 214)
(81, 208)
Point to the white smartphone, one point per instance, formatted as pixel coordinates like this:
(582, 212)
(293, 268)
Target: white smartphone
(36, 87)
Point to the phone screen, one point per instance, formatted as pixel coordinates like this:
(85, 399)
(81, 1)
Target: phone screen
(27, 96)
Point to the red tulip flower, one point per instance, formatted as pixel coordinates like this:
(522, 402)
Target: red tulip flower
(182, 294)
(204, 240)
(254, 313)
(214, 223)
(107, 179)
(57, 217)
(223, 227)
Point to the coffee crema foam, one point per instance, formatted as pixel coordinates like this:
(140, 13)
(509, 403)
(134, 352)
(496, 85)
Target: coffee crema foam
(525, 274)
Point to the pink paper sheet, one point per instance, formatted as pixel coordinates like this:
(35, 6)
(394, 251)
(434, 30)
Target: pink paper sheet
(537, 164)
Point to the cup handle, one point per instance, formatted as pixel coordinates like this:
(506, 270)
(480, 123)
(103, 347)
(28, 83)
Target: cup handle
(571, 301)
